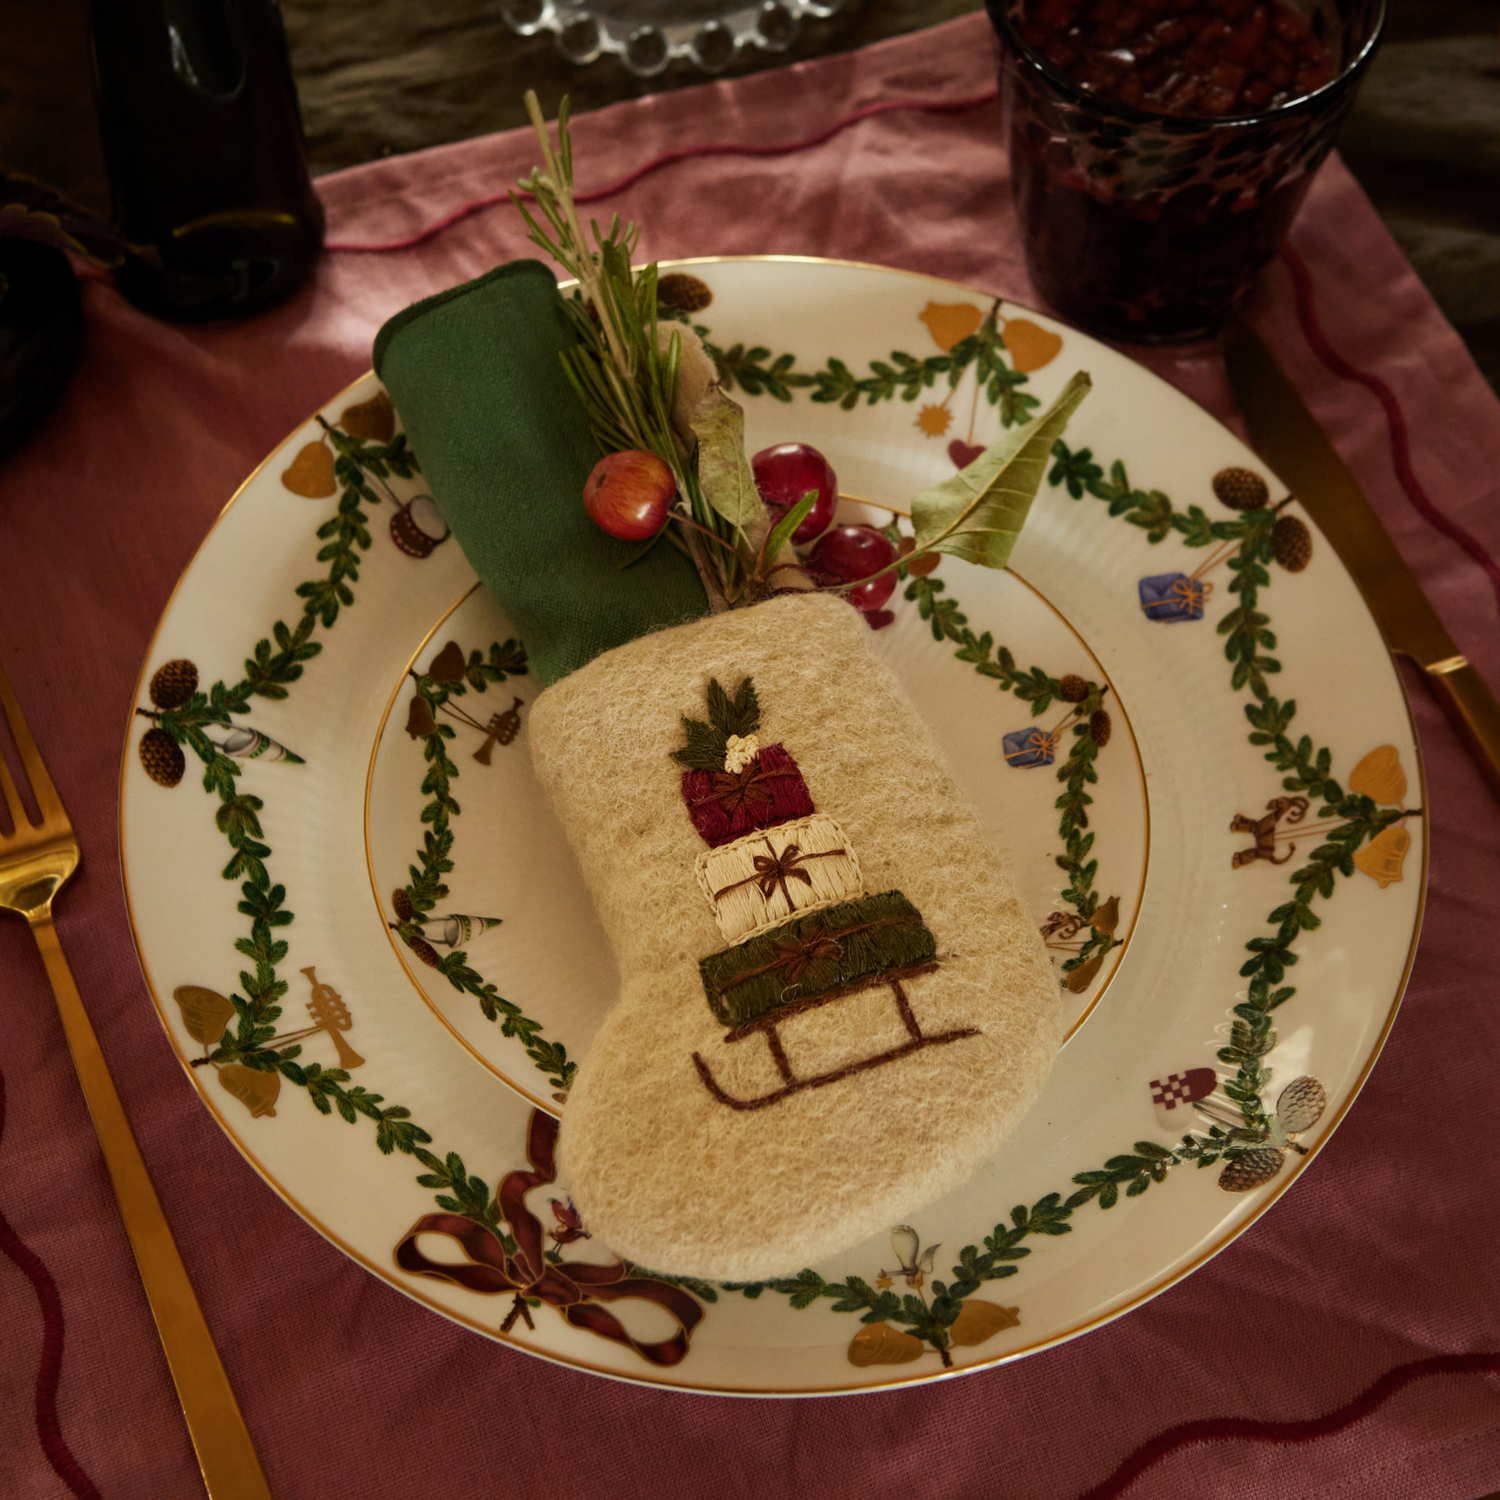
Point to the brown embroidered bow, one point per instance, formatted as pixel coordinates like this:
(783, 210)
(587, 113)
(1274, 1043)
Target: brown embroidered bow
(735, 788)
(773, 870)
(794, 959)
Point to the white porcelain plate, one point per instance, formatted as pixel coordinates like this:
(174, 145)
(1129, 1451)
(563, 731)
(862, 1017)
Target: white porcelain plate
(372, 948)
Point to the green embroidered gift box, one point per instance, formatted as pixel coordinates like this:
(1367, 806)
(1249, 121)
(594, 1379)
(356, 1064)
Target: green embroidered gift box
(813, 954)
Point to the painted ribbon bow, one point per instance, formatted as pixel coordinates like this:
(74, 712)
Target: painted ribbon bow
(1040, 742)
(574, 1288)
(1190, 593)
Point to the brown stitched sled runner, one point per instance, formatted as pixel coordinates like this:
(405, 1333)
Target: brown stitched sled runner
(793, 1083)
(812, 954)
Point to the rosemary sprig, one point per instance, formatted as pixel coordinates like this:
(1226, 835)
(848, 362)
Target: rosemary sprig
(623, 375)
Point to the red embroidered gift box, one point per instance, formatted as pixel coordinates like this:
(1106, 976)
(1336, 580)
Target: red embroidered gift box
(726, 805)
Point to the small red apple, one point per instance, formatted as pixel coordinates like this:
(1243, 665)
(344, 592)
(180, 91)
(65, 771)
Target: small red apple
(629, 494)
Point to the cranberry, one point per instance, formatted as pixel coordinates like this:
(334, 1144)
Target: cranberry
(1183, 57)
(869, 597)
(848, 554)
(785, 473)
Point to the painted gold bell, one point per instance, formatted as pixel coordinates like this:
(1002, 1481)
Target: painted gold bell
(257, 1091)
(1379, 777)
(205, 1012)
(1382, 858)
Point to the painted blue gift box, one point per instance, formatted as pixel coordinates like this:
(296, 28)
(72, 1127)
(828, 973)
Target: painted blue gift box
(1173, 597)
(1029, 747)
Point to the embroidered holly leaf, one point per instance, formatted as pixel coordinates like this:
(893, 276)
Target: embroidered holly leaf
(723, 470)
(978, 513)
(708, 743)
(705, 748)
(741, 715)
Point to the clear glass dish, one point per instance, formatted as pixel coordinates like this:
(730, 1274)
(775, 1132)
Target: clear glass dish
(647, 35)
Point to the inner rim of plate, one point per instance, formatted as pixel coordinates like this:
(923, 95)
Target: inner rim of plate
(480, 937)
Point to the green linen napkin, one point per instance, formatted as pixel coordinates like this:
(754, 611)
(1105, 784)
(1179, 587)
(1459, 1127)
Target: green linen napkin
(505, 446)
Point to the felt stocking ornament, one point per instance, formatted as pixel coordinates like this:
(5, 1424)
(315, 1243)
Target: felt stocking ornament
(833, 1007)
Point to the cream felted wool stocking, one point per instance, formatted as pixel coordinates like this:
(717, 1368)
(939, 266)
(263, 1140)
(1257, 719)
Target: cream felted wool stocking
(833, 1005)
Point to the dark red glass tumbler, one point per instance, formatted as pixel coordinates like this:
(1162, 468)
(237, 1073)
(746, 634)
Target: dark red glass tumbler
(1151, 228)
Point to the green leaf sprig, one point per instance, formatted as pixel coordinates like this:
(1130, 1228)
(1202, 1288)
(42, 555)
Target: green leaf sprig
(626, 376)
(623, 375)
(977, 514)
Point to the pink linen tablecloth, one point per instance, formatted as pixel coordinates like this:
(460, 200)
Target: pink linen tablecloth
(1347, 1345)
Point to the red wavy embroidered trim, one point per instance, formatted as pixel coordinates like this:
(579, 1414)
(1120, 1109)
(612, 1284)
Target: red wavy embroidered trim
(1395, 419)
(1237, 1429)
(729, 148)
(48, 1430)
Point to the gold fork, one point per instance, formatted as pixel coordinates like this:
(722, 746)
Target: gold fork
(35, 861)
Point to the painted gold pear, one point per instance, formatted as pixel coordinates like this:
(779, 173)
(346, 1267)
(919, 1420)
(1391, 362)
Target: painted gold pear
(1030, 347)
(950, 322)
(374, 420)
(311, 472)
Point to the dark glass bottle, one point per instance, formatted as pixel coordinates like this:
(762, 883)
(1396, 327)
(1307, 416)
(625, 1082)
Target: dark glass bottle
(203, 139)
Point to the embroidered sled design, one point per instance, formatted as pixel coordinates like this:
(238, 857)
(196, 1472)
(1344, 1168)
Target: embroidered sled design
(767, 1024)
(786, 889)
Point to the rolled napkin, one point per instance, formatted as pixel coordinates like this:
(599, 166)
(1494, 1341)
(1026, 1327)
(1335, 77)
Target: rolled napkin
(505, 445)
(834, 1006)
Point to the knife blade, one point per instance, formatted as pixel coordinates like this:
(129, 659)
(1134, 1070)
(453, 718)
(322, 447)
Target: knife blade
(1287, 435)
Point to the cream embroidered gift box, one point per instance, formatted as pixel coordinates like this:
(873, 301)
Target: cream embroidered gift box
(758, 881)
(784, 1076)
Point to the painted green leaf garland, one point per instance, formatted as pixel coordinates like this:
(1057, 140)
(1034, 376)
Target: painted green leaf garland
(273, 670)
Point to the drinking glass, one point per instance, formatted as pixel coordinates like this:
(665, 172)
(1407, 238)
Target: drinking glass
(1151, 228)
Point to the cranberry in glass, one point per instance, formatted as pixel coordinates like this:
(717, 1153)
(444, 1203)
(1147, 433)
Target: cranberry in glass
(785, 473)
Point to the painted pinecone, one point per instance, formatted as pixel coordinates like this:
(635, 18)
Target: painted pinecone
(1251, 1170)
(425, 951)
(1301, 1105)
(1291, 544)
(683, 293)
(1073, 689)
(401, 902)
(1100, 728)
(174, 683)
(1241, 489)
(162, 757)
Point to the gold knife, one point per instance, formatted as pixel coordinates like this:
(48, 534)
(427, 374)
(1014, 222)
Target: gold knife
(1287, 435)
